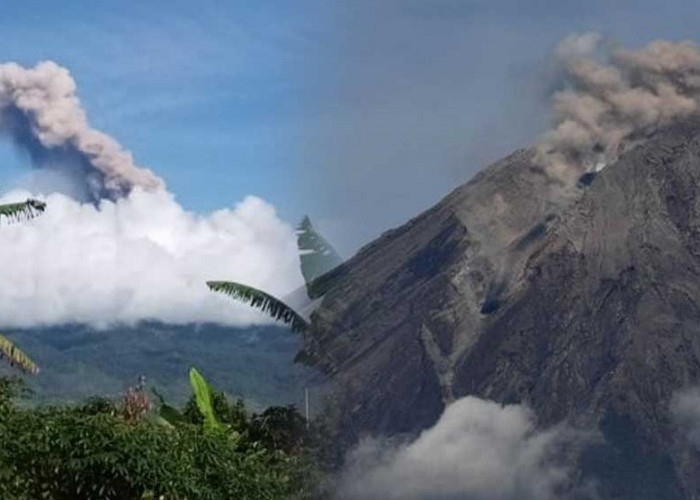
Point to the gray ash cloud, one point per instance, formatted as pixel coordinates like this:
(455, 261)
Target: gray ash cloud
(42, 115)
(614, 97)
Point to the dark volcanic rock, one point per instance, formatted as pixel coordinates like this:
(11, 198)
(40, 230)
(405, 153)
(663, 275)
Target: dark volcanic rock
(585, 308)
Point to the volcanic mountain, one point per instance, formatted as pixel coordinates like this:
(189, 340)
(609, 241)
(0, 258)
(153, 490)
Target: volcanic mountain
(584, 306)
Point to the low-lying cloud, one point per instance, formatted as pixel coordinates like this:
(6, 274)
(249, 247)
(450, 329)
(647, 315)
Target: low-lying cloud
(140, 257)
(478, 450)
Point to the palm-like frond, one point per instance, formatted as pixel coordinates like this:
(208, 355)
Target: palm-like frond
(15, 212)
(23, 210)
(263, 301)
(16, 357)
(317, 256)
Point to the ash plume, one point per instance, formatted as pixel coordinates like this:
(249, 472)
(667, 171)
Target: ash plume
(613, 98)
(123, 249)
(41, 113)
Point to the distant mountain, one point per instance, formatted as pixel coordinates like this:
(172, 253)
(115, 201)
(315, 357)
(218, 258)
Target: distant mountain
(78, 361)
(588, 311)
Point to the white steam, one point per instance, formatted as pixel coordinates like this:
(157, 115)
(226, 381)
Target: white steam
(40, 111)
(685, 410)
(613, 98)
(141, 257)
(478, 450)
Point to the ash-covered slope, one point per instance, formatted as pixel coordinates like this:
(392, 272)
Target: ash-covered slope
(586, 309)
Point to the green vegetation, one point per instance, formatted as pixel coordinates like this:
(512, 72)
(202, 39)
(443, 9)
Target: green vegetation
(316, 258)
(16, 357)
(17, 211)
(132, 449)
(79, 361)
(21, 211)
(261, 300)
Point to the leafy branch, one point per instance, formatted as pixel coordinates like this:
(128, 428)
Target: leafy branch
(261, 300)
(22, 211)
(15, 212)
(16, 357)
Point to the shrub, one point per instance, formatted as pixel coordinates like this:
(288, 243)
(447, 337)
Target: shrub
(93, 452)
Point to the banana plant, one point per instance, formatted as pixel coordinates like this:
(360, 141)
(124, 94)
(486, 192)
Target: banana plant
(15, 357)
(15, 212)
(203, 396)
(275, 307)
(23, 210)
(317, 259)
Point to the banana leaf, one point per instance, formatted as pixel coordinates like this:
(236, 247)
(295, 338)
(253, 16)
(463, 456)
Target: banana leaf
(16, 357)
(22, 211)
(203, 397)
(261, 300)
(317, 256)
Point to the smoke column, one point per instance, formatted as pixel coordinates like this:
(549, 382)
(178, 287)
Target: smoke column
(42, 115)
(120, 249)
(613, 98)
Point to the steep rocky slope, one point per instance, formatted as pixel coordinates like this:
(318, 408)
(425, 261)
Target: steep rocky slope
(584, 306)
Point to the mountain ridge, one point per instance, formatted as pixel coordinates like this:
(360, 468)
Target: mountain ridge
(78, 361)
(585, 308)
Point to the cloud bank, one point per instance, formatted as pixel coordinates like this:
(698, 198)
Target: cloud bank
(478, 450)
(41, 113)
(613, 98)
(138, 258)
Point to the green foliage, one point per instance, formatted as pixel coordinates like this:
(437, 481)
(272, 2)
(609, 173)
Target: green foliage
(16, 357)
(317, 259)
(11, 388)
(233, 415)
(78, 361)
(261, 300)
(203, 398)
(170, 414)
(279, 428)
(98, 405)
(276, 428)
(93, 452)
(24, 210)
(15, 212)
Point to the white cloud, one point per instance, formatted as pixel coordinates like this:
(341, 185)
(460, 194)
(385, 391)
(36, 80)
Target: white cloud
(141, 257)
(478, 450)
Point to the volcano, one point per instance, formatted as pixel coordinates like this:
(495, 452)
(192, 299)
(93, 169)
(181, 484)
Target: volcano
(581, 303)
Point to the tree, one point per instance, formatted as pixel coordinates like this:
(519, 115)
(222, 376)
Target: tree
(15, 212)
(100, 451)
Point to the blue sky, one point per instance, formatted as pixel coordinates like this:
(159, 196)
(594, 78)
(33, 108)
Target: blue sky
(205, 93)
(360, 112)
